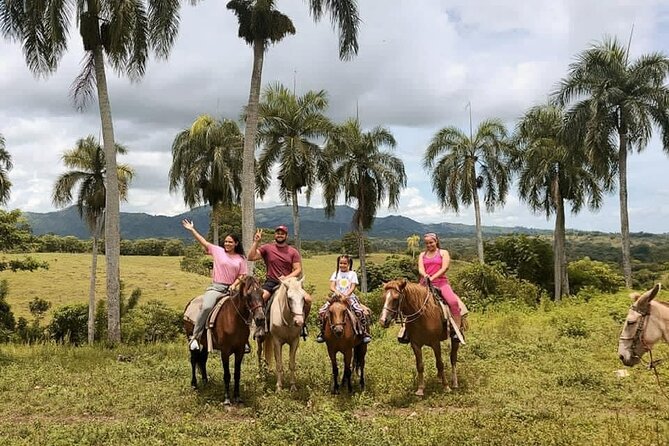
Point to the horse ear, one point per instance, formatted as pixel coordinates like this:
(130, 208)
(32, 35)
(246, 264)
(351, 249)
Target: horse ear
(649, 295)
(403, 284)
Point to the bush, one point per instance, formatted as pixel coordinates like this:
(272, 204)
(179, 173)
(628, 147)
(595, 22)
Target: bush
(528, 258)
(151, 322)
(195, 261)
(395, 266)
(70, 324)
(7, 321)
(599, 275)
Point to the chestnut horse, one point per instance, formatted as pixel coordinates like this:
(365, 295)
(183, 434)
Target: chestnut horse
(285, 320)
(340, 336)
(230, 333)
(418, 308)
(646, 324)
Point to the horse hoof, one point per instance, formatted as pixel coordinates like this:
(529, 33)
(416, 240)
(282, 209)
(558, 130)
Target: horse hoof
(420, 392)
(226, 402)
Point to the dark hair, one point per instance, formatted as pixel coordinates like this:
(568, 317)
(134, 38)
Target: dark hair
(239, 249)
(346, 257)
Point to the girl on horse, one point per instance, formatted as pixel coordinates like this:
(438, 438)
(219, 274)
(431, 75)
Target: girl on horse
(342, 284)
(229, 269)
(433, 264)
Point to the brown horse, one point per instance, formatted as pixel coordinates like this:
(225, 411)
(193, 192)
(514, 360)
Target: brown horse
(230, 333)
(417, 307)
(646, 324)
(340, 337)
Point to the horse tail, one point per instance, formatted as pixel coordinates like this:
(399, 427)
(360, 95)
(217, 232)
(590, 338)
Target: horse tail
(268, 349)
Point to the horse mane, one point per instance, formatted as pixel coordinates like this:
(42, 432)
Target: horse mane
(415, 294)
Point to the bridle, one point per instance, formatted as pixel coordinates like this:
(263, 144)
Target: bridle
(637, 338)
(250, 306)
(339, 324)
(400, 317)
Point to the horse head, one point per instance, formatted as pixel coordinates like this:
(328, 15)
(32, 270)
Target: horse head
(640, 329)
(295, 297)
(392, 292)
(251, 291)
(337, 317)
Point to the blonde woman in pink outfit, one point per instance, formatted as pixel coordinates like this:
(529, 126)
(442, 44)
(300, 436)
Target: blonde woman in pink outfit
(433, 264)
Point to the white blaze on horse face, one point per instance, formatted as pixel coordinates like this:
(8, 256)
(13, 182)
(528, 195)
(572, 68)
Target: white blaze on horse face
(385, 319)
(295, 297)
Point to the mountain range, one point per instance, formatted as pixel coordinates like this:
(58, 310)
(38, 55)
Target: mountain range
(314, 224)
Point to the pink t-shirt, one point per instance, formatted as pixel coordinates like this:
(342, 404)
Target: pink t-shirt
(226, 267)
(279, 259)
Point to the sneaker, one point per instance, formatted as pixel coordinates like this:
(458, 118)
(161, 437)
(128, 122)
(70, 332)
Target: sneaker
(247, 348)
(320, 339)
(194, 345)
(366, 339)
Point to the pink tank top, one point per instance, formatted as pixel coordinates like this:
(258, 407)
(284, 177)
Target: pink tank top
(432, 265)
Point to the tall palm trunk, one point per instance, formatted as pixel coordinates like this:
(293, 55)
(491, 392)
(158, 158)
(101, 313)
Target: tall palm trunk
(94, 270)
(362, 254)
(216, 220)
(112, 223)
(479, 230)
(248, 161)
(559, 257)
(624, 218)
(296, 221)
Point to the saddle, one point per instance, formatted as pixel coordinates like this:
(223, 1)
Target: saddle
(193, 309)
(275, 293)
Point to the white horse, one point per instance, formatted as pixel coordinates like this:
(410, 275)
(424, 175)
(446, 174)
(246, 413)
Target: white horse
(285, 320)
(646, 324)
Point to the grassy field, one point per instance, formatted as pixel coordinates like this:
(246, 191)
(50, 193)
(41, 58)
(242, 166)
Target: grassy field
(543, 377)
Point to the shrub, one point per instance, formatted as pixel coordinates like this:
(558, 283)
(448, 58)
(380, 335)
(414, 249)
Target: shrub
(596, 274)
(395, 266)
(151, 322)
(195, 262)
(7, 321)
(528, 258)
(70, 324)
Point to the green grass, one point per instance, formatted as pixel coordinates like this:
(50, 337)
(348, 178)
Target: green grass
(527, 377)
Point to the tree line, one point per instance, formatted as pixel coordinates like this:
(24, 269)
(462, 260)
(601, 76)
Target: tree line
(569, 151)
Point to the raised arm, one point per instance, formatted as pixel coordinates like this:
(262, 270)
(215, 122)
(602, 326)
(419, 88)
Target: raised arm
(189, 226)
(254, 253)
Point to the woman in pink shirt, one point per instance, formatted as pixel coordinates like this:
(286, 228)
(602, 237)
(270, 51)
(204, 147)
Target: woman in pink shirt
(229, 269)
(433, 264)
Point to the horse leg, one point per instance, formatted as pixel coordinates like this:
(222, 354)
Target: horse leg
(225, 360)
(203, 355)
(455, 345)
(348, 355)
(335, 370)
(291, 364)
(279, 363)
(194, 363)
(418, 353)
(436, 348)
(360, 352)
(238, 375)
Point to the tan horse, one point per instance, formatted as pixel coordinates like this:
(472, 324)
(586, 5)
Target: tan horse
(647, 323)
(340, 337)
(230, 333)
(285, 320)
(418, 308)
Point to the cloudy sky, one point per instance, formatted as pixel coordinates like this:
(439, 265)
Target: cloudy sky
(420, 63)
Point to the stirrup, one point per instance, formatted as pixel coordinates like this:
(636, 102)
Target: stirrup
(320, 339)
(366, 339)
(247, 348)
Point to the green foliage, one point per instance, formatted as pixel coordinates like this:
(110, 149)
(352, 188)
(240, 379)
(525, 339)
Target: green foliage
(394, 266)
(15, 234)
(195, 261)
(70, 324)
(528, 258)
(38, 307)
(483, 285)
(173, 247)
(153, 321)
(25, 264)
(7, 321)
(349, 244)
(601, 276)
(571, 326)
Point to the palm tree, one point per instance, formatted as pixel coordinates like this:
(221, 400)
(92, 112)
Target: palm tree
(206, 165)
(461, 165)
(357, 168)
(88, 174)
(124, 32)
(615, 104)
(550, 172)
(5, 167)
(260, 24)
(288, 125)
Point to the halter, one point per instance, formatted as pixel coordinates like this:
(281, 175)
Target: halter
(406, 318)
(638, 334)
(340, 324)
(249, 307)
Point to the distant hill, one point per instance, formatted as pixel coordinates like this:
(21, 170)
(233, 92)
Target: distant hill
(314, 224)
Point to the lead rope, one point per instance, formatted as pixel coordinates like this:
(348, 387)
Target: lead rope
(652, 365)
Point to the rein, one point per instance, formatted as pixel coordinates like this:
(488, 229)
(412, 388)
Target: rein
(250, 308)
(407, 318)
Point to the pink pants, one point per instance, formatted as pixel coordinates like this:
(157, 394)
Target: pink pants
(448, 294)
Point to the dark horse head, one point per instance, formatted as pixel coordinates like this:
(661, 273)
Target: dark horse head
(251, 292)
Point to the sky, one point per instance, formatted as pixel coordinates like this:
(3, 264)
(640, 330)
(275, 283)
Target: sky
(420, 63)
